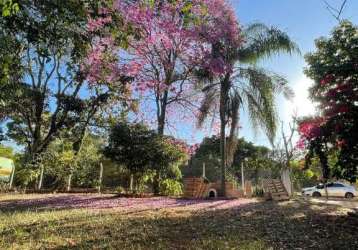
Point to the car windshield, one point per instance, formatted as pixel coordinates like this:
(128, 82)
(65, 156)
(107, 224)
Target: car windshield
(320, 186)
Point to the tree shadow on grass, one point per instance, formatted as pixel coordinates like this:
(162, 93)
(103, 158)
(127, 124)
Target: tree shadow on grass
(288, 225)
(98, 202)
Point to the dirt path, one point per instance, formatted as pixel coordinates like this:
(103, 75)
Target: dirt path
(345, 203)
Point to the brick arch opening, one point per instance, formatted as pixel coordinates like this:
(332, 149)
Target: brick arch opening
(212, 193)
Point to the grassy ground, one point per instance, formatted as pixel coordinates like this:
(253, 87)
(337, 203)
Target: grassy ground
(107, 222)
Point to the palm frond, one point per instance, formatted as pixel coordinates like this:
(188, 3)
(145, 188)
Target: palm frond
(281, 86)
(262, 114)
(257, 76)
(263, 41)
(259, 95)
(207, 104)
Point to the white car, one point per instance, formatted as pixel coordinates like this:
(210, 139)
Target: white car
(334, 189)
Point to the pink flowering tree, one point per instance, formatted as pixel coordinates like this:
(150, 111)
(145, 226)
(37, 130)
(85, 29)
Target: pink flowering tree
(161, 55)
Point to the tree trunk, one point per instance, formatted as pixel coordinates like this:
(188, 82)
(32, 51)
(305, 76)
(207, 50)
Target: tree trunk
(286, 180)
(223, 97)
(161, 120)
(161, 124)
(325, 189)
(162, 103)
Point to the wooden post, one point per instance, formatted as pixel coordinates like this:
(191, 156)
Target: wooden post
(204, 176)
(41, 177)
(131, 183)
(243, 178)
(12, 176)
(100, 177)
(69, 183)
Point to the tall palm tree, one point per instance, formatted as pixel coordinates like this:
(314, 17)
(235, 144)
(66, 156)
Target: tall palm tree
(247, 87)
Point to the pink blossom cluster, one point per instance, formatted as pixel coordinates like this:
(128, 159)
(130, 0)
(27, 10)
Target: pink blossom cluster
(310, 129)
(220, 30)
(100, 64)
(183, 146)
(166, 43)
(327, 79)
(98, 23)
(193, 148)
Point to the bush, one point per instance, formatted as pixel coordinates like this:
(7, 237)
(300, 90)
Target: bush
(258, 192)
(4, 187)
(170, 187)
(120, 190)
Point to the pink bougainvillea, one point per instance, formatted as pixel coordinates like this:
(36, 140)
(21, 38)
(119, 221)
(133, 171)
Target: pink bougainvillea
(310, 129)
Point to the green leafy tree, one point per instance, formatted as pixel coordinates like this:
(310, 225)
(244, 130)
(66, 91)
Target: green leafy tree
(141, 150)
(63, 167)
(47, 91)
(333, 131)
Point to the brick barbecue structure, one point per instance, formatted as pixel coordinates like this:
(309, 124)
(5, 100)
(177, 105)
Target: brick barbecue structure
(200, 188)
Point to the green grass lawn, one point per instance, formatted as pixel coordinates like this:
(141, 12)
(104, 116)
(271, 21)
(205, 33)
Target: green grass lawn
(45, 222)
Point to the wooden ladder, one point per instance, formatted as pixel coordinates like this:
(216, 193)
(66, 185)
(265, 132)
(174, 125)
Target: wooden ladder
(275, 189)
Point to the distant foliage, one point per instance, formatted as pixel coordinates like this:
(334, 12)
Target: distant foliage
(258, 160)
(6, 152)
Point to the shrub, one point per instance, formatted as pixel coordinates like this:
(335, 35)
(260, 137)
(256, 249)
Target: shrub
(120, 190)
(258, 192)
(170, 187)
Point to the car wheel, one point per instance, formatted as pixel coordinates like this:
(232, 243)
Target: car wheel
(349, 195)
(316, 194)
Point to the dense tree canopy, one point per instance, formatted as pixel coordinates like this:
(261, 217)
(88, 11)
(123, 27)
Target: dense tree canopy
(46, 91)
(334, 69)
(140, 150)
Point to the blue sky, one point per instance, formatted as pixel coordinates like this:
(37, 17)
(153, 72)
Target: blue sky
(304, 21)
